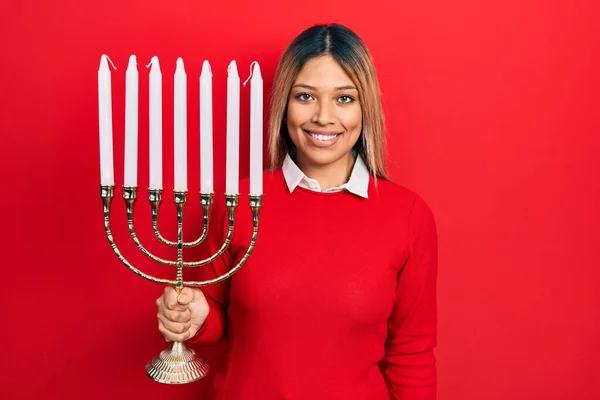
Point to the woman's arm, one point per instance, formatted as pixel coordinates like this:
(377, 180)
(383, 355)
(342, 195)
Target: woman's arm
(217, 295)
(409, 365)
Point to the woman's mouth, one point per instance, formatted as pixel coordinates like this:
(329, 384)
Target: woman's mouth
(322, 139)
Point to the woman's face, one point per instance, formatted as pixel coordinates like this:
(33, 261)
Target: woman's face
(324, 116)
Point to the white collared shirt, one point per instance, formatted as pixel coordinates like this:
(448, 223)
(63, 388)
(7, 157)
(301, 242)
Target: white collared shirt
(357, 184)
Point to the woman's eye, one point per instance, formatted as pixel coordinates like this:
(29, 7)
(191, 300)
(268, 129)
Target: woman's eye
(304, 97)
(345, 99)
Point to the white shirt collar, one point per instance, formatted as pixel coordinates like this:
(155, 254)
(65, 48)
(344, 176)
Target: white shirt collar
(357, 184)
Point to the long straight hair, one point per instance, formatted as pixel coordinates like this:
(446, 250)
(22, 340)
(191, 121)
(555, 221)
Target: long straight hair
(353, 56)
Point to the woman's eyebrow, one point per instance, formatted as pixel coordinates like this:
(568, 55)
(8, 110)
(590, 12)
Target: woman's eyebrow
(302, 85)
(339, 88)
(347, 87)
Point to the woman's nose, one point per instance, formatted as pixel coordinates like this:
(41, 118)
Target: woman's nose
(324, 114)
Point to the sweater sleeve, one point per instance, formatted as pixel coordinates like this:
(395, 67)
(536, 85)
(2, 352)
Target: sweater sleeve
(217, 295)
(409, 365)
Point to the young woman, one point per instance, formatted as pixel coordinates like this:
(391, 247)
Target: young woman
(338, 299)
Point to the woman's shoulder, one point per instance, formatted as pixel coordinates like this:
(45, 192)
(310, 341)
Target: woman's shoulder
(388, 190)
(399, 196)
(390, 187)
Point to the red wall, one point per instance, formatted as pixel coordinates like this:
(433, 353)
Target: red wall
(492, 110)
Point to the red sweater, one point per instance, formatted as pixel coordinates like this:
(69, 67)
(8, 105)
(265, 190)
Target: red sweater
(337, 300)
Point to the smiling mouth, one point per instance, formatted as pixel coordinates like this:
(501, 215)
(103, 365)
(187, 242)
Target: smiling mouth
(322, 136)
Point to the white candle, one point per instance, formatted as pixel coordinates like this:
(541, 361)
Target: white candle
(131, 122)
(155, 124)
(180, 127)
(105, 122)
(206, 146)
(233, 130)
(256, 131)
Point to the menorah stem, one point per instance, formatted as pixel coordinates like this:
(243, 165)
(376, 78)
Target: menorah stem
(178, 364)
(180, 198)
(177, 347)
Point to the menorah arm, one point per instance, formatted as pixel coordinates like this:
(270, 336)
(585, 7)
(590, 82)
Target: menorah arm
(231, 200)
(155, 197)
(255, 205)
(107, 192)
(129, 195)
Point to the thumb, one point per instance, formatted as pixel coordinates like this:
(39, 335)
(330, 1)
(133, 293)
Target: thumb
(185, 296)
(198, 309)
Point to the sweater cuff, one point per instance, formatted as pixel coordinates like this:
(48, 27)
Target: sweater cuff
(213, 328)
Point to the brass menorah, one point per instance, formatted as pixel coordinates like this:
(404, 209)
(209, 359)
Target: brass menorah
(179, 364)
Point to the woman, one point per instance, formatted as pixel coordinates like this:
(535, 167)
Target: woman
(338, 300)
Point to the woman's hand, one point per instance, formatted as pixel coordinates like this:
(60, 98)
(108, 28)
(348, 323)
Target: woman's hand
(181, 315)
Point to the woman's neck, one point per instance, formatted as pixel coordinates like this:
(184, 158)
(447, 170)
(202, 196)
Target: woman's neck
(329, 175)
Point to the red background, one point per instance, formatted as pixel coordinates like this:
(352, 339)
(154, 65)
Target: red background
(492, 110)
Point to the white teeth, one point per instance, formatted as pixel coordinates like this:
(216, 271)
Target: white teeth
(323, 138)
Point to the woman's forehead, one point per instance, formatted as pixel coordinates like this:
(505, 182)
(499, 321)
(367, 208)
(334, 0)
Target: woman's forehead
(324, 73)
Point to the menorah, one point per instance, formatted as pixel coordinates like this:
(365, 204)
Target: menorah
(179, 364)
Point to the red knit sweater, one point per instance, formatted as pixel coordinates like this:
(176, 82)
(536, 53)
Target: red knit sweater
(337, 301)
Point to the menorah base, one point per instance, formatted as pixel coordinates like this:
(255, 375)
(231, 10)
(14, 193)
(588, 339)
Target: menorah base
(177, 365)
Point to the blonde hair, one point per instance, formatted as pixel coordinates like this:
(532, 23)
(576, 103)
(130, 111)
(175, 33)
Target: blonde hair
(353, 56)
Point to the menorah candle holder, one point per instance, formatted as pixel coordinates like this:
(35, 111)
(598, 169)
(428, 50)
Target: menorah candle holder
(179, 364)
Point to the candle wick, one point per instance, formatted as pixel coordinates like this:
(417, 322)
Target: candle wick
(151, 62)
(251, 71)
(111, 63)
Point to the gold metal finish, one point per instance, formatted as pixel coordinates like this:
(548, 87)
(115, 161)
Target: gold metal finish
(206, 200)
(178, 364)
(231, 201)
(129, 194)
(107, 193)
(180, 198)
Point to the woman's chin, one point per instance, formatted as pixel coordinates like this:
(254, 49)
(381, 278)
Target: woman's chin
(323, 157)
